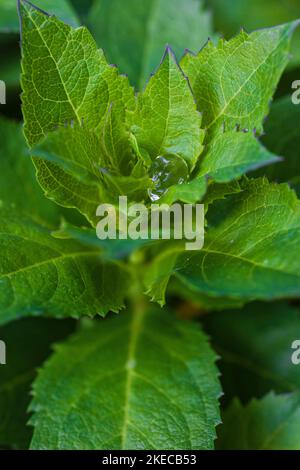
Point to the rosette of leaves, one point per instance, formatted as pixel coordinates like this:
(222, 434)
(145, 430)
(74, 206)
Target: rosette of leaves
(144, 379)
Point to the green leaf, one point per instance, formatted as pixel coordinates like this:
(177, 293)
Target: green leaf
(254, 236)
(255, 346)
(116, 144)
(159, 272)
(217, 191)
(191, 192)
(63, 278)
(66, 191)
(231, 154)
(166, 121)
(133, 382)
(234, 81)
(282, 137)
(271, 423)
(230, 15)
(226, 158)
(134, 37)
(79, 85)
(17, 171)
(9, 21)
(68, 164)
(28, 344)
(79, 169)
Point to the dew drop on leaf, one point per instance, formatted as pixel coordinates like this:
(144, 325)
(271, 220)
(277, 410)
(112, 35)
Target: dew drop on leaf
(167, 171)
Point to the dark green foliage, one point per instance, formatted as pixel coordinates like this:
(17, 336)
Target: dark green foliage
(185, 127)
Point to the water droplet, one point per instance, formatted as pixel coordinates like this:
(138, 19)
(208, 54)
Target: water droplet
(167, 171)
(153, 196)
(104, 170)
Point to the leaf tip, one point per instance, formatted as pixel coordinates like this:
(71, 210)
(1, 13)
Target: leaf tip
(169, 53)
(188, 52)
(24, 3)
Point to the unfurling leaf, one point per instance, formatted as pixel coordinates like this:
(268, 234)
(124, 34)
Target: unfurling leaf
(166, 121)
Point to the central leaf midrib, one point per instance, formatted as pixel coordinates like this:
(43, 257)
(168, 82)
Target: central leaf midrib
(60, 257)
(135, 330)
(222, 111)
(57, 68)
(246, 260)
